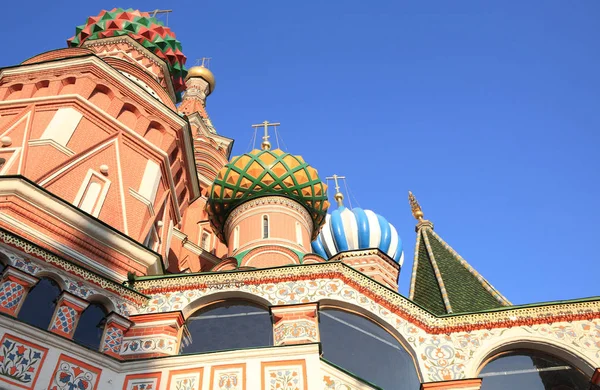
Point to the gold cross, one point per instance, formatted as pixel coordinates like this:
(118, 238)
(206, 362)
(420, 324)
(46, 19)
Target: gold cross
(266, 145)
(205, 62)
(339, 197)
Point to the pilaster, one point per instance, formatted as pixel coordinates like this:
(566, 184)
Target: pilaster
(114, 330)
(461, 384)
(295, 324)
(14, 286)
(153, 335)
(68, 310)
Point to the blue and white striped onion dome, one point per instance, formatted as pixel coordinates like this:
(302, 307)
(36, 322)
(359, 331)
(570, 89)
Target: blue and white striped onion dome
(349, 229)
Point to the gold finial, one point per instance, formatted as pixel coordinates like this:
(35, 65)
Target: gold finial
(339, 197)
(266, 145)
(415, 207)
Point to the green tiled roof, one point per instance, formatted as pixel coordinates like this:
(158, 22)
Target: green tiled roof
(443, 282)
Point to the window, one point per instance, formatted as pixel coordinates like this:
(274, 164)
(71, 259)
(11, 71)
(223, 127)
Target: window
(531, 370)
(90, 326)
(40, 303)
(298, 233)
(265, 226)
(364, 348)
(205, 241)
(236, 237)
(231, 324)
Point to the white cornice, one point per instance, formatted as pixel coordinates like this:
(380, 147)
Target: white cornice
(78, 220)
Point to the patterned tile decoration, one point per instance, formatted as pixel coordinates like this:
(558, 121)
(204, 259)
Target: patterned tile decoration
(336, 384)
(190, 379)
(298, 330)
(64, 320)
(113, 337)
(20, 361)
(147, 381)
(228, 377)
(284, 375)
(10, 295)
(164, 344)
(125, 300)
(72, 374)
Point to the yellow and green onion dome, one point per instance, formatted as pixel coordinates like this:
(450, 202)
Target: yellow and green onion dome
(266, 173)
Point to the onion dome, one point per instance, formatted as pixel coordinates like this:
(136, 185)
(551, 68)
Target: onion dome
(143, 28)
(351, 229)
(205, 74)
(266, 173)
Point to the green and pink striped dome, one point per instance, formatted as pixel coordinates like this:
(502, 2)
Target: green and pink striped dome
(142, 27)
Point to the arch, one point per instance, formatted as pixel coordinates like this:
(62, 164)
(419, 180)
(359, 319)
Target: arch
(366, 347)
(529, 342)
(231, 324)
(40, 86)
(40, 303)
(154, 133)
(14, 91)
(101, 96)
(90, 326)
(213, 298)
(128, 115)
(68, 85)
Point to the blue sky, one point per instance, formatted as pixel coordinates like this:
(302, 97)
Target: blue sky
(487, 111)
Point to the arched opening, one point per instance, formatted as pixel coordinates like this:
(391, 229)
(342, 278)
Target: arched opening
(265, 227)
(531, 370)
(228, 324)
(364, 348)
(90, 326)
(40, 303)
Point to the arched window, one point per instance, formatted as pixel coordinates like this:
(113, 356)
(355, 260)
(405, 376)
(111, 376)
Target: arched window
(298, 233)
(40, 303)
(231, 324)
(364, 348)
(236, 237)
(534, 370)
(91, 326)
(265, 226)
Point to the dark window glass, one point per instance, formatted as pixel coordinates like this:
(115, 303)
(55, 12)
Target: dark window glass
(228, 325)
(265, 227)
(362, 347)
(528, 370)
(91, 326)
(40, 302)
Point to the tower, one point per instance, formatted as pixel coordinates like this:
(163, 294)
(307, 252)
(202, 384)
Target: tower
(267, 206)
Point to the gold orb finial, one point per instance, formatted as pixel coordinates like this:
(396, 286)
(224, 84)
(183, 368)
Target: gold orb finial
(266, 145)
(339, 198)
(415, 207)
(203, 73)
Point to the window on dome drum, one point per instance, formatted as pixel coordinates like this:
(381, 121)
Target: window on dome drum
(91, 326)
(2, 162)
(265, 226)
(236, 237)
(40, 303)
(531, 370)
(231, 324)
(367, 350)
(205, 242)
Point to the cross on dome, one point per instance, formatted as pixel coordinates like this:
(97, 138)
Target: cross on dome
(266, 145)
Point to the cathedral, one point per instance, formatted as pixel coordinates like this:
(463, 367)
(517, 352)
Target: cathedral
(137, 253)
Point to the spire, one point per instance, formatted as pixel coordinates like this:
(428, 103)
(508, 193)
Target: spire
(339, 197)
(417, 212)
(442, 281)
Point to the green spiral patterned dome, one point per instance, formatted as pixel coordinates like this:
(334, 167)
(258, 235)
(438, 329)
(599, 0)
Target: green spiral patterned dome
(262, 173)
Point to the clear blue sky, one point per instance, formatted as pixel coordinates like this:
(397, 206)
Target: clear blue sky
(487, 111)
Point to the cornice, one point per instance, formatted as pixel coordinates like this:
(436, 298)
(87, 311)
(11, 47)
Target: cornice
(394, 302)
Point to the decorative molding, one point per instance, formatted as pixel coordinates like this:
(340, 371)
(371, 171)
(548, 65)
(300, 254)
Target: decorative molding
(54, 144)
(30, 249)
